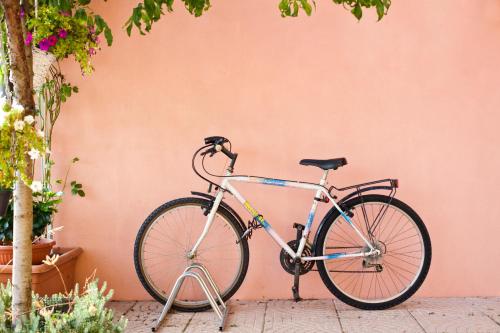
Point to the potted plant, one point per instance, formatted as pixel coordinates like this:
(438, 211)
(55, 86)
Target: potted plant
(44, 206)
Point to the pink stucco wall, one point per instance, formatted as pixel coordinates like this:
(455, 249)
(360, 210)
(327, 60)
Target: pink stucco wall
(413, 97)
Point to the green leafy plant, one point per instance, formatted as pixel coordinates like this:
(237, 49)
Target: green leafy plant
(19, 140)
(64, 313)
(291, 7)
(45, 204)
(70, 31)
(149, 11)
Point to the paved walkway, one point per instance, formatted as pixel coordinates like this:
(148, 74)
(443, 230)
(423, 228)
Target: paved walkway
(416, 315)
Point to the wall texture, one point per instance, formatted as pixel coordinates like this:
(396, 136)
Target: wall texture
(414, 97)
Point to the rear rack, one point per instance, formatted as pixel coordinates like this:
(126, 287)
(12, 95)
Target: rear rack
(392, 185)
(387, 184)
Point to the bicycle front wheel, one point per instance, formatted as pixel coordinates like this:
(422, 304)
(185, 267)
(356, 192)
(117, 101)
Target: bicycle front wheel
(379, 281)
(168, 235)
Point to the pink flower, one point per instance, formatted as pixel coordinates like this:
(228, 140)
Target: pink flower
(63, 33)
(29, 38)
(52, 40)
(44, 44)
(92, 51)
(21, 13)
(63, 13)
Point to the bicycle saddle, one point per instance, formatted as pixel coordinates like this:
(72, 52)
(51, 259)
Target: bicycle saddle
(333, 163)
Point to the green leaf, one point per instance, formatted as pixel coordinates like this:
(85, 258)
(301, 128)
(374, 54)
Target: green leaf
(109, 36)
(357, 11)
(295, 9)
(380, 9)
(81, 193)
(100, 24)
(129, 29)
(306, 6)
(81, 14)
(284, 7)
(150, 6)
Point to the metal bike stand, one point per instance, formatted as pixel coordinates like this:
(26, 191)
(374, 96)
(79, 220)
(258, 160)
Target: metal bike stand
(221, 310)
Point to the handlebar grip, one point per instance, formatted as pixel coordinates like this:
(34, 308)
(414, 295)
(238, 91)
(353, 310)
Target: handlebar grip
(215, 140)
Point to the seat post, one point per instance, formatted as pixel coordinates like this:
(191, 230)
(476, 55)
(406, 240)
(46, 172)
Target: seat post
(323, 179)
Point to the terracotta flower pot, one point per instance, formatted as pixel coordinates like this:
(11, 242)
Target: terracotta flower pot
(5, 196)
(46, 279)
(40, 250)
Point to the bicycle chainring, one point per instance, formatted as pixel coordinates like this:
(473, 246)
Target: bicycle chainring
(288, 263)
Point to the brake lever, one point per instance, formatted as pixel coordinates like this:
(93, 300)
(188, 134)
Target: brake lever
(210, 151)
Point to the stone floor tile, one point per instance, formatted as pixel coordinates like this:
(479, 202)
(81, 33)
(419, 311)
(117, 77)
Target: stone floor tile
(454, 320)
(143, 316)
(243, 316)
(305, 316)
(378, 321)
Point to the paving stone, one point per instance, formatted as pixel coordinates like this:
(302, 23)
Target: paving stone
(452, 315)
(440, 303)
(378, 321)
(143, 316)
(243, 316)
(489, 306)
(305, 316)
(120, 308)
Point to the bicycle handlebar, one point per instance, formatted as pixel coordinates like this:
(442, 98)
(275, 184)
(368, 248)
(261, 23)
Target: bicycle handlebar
(217, 143)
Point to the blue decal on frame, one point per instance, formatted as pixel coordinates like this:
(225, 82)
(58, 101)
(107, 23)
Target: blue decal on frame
(271, 181)
(335, 255)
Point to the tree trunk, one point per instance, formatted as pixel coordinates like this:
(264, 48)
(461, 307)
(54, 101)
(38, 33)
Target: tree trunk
(21, 270)
(22, 80)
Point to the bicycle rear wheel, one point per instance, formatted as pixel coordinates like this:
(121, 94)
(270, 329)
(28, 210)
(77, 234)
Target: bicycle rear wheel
(382, 281)
(168, 235)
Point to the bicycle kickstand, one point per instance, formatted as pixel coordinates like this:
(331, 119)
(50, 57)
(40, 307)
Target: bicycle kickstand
(298, 263)
(296, 276)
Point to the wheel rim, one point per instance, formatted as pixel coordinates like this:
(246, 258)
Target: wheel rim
(164, 247)
(403, 252)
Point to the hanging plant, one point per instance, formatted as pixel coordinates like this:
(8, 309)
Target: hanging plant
(74, 32)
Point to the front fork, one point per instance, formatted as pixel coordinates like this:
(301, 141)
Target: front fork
(208, 224)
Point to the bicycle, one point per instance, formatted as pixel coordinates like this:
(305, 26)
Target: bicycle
(372, 251)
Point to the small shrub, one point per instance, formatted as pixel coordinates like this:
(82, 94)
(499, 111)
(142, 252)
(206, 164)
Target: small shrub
(75, 312)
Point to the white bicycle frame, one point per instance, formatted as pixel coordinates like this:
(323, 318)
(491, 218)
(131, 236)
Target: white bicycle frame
(320, 189)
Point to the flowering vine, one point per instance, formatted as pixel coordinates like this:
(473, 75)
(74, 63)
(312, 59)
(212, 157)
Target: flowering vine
(19, 141)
